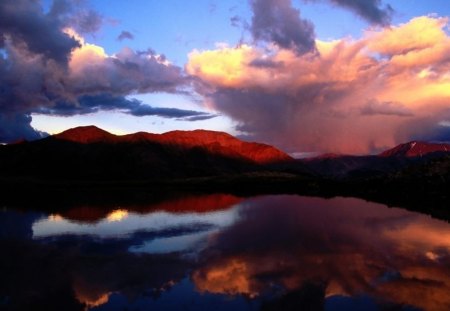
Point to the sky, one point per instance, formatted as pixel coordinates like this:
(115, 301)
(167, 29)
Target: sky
(340, 76)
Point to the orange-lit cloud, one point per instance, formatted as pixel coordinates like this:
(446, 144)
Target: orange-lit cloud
(353, 96)
(89, 294)
(418, 34)
(232, 277)
(91, 301)
(117, 215)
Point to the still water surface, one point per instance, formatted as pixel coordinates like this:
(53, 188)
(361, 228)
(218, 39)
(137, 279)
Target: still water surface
(221, 252)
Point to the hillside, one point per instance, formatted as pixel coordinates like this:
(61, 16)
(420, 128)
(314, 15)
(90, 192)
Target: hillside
(90, 153)
(415, 149)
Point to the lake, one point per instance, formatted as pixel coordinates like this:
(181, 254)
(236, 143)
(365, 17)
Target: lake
(223, 252)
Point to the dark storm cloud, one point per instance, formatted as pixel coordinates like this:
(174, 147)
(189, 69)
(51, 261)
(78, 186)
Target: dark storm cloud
(75, 14)
(439, 132)
(125, 35)
(371, 10)
(94, 103)
(259, 112)
(279, 22)
(44, 70)
(139, 109)
(14, 127)
(24, 23)
(431, 128)
(88, 21)
(33, 47)
(205, 116)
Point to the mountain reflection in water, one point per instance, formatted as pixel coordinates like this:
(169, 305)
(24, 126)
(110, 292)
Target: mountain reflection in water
(222, 252)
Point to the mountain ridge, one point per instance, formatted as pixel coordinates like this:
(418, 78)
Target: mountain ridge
(89, 153)
(213, 141)
(415, 149)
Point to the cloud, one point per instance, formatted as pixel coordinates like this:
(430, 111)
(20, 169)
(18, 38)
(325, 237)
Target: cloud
(420, 42)
(88, 21)
(235, 21)
(265, 63)
(74, 13)
(180, 114)
(370, 10)
(106, 102)
(374, 107)
(17, 126)
(279, 22)
(398, 76)
(200, 117)
(432, 128)
(128, 71)
(24, 23)
(125, 35)
(438, 132)
(47, 67)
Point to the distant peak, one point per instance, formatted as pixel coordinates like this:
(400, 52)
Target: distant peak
(85, 134)
(415, 149)
(87, 128)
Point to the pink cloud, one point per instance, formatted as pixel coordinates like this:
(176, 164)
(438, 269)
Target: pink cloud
(316, 102)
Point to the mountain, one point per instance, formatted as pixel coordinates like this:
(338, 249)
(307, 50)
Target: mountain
(90, 153)
(415, 149)
(86, 135)
(88, 164)
(369, 166)
(218, 143)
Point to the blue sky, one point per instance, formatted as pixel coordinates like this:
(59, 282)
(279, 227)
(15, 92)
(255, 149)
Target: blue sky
(176, 27)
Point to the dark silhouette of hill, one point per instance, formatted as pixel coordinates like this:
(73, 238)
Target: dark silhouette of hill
(388, 162)
(89, 153)
(86, 166)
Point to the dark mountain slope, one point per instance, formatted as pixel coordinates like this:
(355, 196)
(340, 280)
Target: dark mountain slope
(89, 153)
(388, 162)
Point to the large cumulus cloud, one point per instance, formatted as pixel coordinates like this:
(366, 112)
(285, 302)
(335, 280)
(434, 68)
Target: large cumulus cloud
(352, 96)
(47, 67)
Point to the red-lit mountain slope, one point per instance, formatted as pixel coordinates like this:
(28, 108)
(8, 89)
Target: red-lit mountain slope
(217, 143)
(415, 149)
(89, 154)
